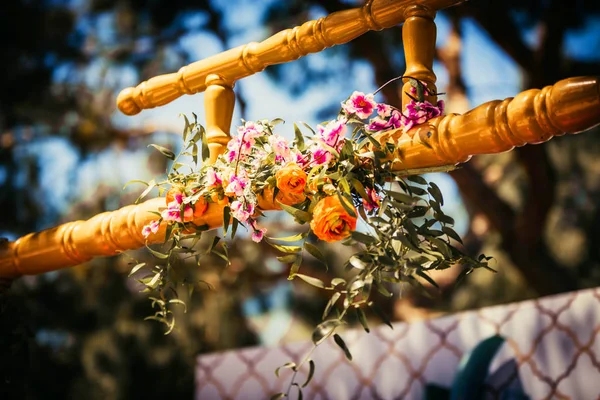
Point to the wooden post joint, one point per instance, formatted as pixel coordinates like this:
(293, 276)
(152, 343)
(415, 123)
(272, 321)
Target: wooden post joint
(219, 101)
(418, 36)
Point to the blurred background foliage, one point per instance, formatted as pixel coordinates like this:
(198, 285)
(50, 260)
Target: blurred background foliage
(65, 154)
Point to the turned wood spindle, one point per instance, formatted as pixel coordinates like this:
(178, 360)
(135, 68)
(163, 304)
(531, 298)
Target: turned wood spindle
(418, 36)
(219, 101)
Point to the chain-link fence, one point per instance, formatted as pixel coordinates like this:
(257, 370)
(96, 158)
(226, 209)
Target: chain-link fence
(551, 343)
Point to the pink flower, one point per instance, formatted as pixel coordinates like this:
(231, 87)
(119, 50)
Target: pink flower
(239, 212)
(242, 145)
(332, 134)
(373, 201)
(299, 158)
(173, 211)
(384, 110)
(231, 156)
(258, 234)
(416, 111)
(441, 105)
(152, 227)
(431, 110)
(250, 130)
(408, 124)
(280, 147)
(360, 104)
(212, 178)
(321, 156)
(236, 185)
(378, 124)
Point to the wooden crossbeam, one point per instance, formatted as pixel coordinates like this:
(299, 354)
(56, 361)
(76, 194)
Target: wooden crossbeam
(532, 117)
(288, 45)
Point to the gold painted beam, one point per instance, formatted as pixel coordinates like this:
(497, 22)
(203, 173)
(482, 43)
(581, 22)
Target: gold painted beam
(532, 117)
(311, 37)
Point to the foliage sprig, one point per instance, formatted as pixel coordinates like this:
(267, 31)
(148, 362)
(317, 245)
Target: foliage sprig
(342, 187)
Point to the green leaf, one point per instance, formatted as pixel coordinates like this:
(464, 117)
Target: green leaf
(311, 281)
(334, 298)
(444, 218)
(309, 128)
(151, 186)
(434, 190)
(424, 275)
(166, 152)
(382, 289)
(406, 242)
(195, 153)
(358, 263)
(154, 281)
(340, 342)
(363, 238)
(186, 128)
(277, 396)
(277, 121)
(226, 219)
(290, 365)
(234, 226)
(158, 254)
(205, 150)
(287, 259)
(311, 372)
(360, 189)
(135, 181)
(181, 303)
(381, 314)
(417, 179)
(417, 190)
(337, 281)
(324, 330)
(136, 268)
(452, 233)
(347, 204)
(363, 319)
(301, 216)
(343, 183)
(299, 138)
(295, 266)
(285, 249)
(293, 238)
(401, 197)
(315, 252)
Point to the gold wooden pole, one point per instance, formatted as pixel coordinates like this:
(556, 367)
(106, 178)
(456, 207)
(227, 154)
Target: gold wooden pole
(532, 117)
(219, 101)
(418, 37)
(311, 37)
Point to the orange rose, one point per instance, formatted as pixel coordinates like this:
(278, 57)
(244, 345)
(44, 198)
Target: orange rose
(291, 179)
(331, 222)
(215, 199)
(200, 207)
(265, 200)
(289, 199)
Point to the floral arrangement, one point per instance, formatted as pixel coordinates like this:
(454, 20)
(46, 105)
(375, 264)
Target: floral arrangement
(330, 180)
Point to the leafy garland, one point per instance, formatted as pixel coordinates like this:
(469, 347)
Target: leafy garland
(328, 182)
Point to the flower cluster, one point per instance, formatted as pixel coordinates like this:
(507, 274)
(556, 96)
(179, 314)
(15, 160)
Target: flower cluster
(325, 180)
(257, 150)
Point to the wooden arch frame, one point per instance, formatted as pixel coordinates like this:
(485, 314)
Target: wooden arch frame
(532, 117)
